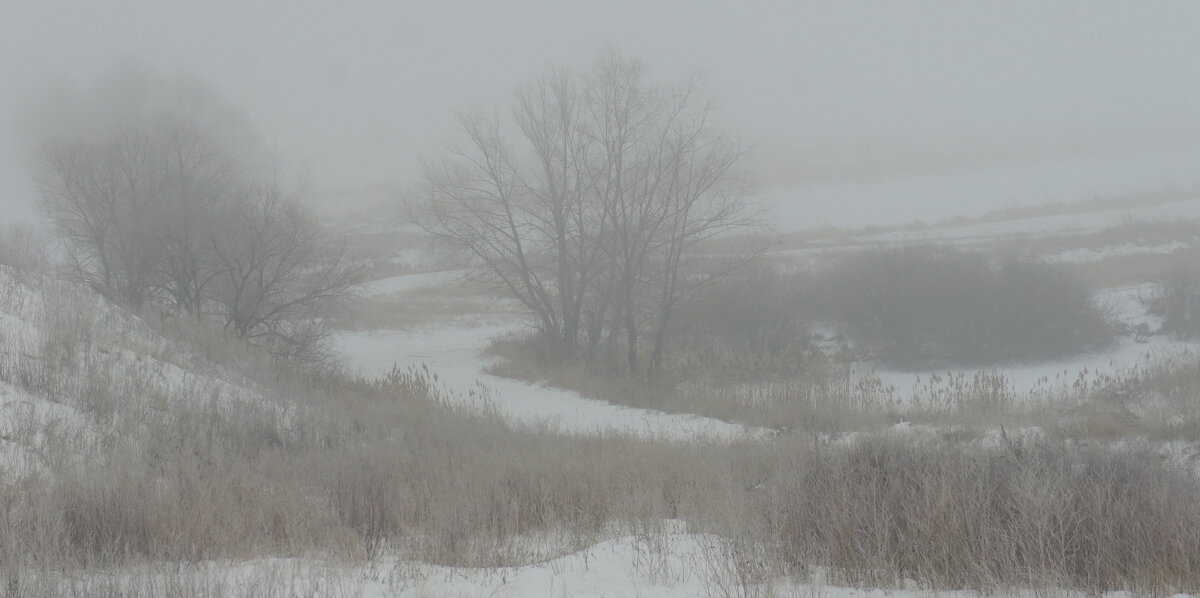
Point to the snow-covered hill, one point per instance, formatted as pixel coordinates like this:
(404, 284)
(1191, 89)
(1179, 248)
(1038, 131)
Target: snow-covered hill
(80, 376)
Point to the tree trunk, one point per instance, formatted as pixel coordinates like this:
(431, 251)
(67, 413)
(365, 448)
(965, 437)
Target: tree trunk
(660, 345)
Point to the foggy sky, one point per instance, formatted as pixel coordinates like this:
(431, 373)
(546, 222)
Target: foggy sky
(357, 93)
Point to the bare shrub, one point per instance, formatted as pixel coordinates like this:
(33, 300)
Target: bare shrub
(920, 307)
(750, 325)
(1155, 400)
(1027, 514)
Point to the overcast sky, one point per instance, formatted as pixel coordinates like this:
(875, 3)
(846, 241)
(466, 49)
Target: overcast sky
(357, 91)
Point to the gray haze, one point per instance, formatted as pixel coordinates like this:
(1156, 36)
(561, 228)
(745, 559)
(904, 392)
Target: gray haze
(355, 95)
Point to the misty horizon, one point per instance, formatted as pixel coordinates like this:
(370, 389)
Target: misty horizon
(821, 91)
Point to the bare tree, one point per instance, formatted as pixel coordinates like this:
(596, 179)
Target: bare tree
(669, 183)
(97, 194)
(129, 184)
(280, 277)
(525, 220)
(167, 200)
(552, 117)
(589, 214)
(200, 166)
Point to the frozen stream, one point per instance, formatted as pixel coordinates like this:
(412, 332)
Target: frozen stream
(454, 354)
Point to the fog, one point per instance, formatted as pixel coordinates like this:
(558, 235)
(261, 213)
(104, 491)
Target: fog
(599, 298)
(824, 91)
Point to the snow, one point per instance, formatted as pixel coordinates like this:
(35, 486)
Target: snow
(667, 563)
(669, 566)
(410, 282)
(1125, 305)
(68, 357)
(1044, 379)
(454, 354)
(901, 199)
(1085, 255)
(22, 420)
(1039, 227)
(1128, 305)
(1017, 229)
(672, 563)
(412, 257)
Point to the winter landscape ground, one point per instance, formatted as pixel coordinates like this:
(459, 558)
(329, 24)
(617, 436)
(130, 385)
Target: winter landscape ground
(1070, 234)
(85, 381)
(619, 299)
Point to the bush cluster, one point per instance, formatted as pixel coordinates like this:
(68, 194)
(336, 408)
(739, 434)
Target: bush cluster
(921, 307)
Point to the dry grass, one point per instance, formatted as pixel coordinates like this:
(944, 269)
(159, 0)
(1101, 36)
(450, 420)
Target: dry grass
(824, 396)
(24, 249)
(1153, 400)
(320, 464)
(416, 310)
(1120, 270)
(874, 512)
(1028, 514)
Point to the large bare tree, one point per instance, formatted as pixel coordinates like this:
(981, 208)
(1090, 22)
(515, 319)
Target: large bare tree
(590, 207)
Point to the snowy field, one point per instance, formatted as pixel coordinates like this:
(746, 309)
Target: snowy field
(1087, 255)
(1126, 305)
(454, 354)
(453, 349)
(898, 200)
(1041, 226)
(677, 563)
(126, 367)
(668, 563)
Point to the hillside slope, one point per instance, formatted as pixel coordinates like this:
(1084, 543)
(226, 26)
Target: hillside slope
(81, 377)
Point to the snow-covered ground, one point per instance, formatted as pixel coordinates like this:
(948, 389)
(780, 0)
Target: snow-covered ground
(1016, 230)
(674, 565)
(897, 200)
(411, 282)
(1085, 255)
(670, 563)
(1126, 306)
(679, 563)
(454, 354)
(1042, 226)
(79, 357)
(453, 351)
